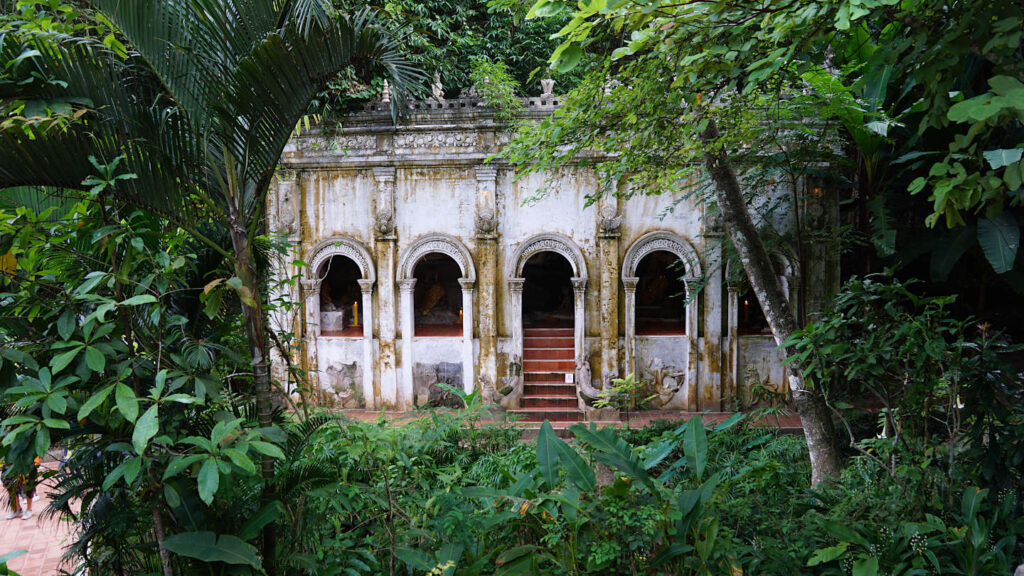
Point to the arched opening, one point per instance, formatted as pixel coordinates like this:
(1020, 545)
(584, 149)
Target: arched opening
(340, 298)
(547, 291)
(437, 300)
(749, 315)
(660, 294)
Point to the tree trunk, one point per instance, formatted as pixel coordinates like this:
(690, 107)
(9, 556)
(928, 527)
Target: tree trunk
(252, 312)
(817, 424)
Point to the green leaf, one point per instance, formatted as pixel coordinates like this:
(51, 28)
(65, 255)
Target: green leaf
(93, 402)
(210, 547)
(240, 459)
(546, 461)
(823, 555)
(865, 567)
(581, 474)
(608, 448)
(66, 323)
(269, 513)
(95, 359)
(414, 558)
(999, 239)
(138, 300)
(146, 427)
(60, 361)
(568, 59)
(267, 448)
(127, 404)
(208, 481)
(55, 423)
(695, 445)
(171, 496)
(1003, 157)
(180, 463)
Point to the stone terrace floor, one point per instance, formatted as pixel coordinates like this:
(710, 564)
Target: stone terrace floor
(43, 536)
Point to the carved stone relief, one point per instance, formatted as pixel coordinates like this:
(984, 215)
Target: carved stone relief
(436, 140)
(342, 384)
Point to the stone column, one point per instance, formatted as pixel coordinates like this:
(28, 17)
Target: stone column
(385, 241)
(733, 346)
(371, 390)
(711, 374)
(579, 288)
(468, 382)
(311, 300)
(406, 399)
(629, 285)
(691, 338)
(487, 274)
(608, 239)
(515, 304)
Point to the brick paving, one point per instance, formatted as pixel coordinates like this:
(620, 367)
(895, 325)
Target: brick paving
(43, 537)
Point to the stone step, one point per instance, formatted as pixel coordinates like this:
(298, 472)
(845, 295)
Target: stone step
(547, 354)
(552, 377)
(550, 414)
(548, 332)
(545, 342)
(559, 389)
(561, 402)
(564, 366)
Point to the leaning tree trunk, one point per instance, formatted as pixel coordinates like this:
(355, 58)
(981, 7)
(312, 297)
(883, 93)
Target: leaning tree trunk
(814, 416)
(255, 329)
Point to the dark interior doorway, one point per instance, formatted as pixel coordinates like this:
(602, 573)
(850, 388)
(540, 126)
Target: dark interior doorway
(547, 291)
(660, 295)
(340, 298)
(437, 300)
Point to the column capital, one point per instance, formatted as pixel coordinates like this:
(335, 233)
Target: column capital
(309, 285)
(486, 174)
(407, 285)
(366, 286)
(383, 174)
(629, 283)
(579, 284)
(466, 283)
(516, 285)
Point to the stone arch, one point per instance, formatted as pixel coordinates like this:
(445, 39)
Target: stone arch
(443, 243)
(340, 246)
(669, 242)
(552, 242)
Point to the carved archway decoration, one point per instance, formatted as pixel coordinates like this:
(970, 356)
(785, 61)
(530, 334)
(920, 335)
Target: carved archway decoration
(666, 241)
(550, 242)
(442, 243)
(340, 246)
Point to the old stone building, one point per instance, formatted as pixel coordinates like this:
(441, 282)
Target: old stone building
(427, 263)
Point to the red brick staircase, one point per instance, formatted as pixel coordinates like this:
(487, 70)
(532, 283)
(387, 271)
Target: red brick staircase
(547, 357)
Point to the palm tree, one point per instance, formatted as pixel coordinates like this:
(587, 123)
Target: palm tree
(200, 109)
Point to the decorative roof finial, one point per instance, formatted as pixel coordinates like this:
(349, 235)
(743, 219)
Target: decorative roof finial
(436, 87)
(385, 93)
(548, 86)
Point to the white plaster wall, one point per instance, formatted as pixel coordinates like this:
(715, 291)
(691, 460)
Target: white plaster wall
(437, 349)
(673, 351)
(759, 353)
(338, 203)
(428, 201)
(337, 349)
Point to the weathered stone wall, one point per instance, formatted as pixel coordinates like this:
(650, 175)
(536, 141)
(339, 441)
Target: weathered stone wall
(386, 195)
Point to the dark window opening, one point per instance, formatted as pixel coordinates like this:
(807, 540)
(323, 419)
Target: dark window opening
(548, 299)
(437, 300)
(340, 298)
(749, 314)
(660, 295)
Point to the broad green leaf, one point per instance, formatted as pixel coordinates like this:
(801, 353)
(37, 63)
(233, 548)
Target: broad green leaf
(95, 359)
(546, 461)
(93, 402)
(865, 567)
(180, 463)
(208, 480)
(695, 444)
(66, 323)
(568, 59)
(171, 495)
(267, 448)
(210, 547)
(127, 404)
(414, 558)
(608, 448)
(999, 239)
(1003, 157)
(269, 513)
(823, 555)
(138, 300)
(55, 423)
(60, 361)
(145, 428)
(579, 472)
(240, 459)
